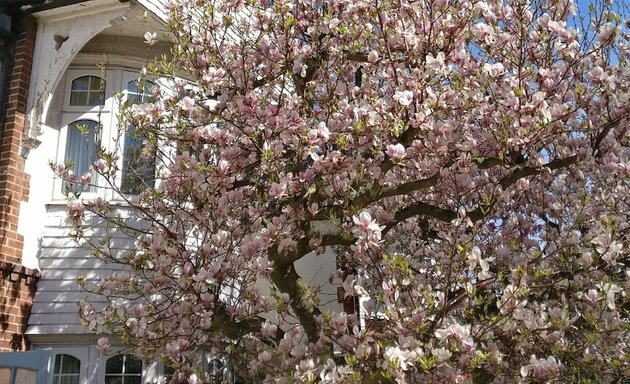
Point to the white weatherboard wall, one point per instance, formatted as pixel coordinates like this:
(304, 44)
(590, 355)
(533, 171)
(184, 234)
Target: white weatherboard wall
(63, 262)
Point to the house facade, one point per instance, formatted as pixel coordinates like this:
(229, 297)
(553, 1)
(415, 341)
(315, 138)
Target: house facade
(61, 62)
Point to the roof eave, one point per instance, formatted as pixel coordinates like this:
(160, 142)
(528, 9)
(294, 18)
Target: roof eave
(33, 6)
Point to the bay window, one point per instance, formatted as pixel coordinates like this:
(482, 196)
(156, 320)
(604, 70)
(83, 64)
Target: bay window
(89, 121)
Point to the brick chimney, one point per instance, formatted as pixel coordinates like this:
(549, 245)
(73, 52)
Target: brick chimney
(17, 284)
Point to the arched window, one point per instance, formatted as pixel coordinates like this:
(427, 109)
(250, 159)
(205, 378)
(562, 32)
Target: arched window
(81, 146)
(123, 369)
(67, 370)
(138, 170)
(87, 91)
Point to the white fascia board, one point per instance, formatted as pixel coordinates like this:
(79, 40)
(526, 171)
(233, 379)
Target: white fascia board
(156, 7)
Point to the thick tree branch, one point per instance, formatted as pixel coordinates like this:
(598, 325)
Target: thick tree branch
(303, 299)
(233, 329)
(518, 174)
(421, 208)
(445, 215)
(411, 186)
(603, 133)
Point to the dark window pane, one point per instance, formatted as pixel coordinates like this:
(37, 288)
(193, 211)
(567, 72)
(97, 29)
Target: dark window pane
(58, 361)
(81, 83)
(95, 98)
(81, 147)
(78, 98)
(113, 380)
(147, 96)
(70, 364)
(138, 168)
(123, 369)
(133, 365)
(114, 364)
(215, 367)
(139, 92)
(132, 87)
(74, 379)
(87, 91)
(133, 98)
(133, 380)
(96, 83)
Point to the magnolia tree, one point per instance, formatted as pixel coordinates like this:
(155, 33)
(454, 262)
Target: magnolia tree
(467, 162)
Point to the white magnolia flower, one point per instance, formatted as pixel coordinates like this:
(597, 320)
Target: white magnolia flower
(396, 355)
(150, 38)
(436, 64)
(403, 98)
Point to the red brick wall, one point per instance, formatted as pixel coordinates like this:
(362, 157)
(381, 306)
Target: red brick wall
(13, 181)
(17, 286)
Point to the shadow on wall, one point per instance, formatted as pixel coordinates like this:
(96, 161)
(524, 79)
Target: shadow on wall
(5, 208)
(17, 288)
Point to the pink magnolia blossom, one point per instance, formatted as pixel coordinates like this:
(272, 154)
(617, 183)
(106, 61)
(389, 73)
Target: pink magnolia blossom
(422, 192)
(373, 56)
(187, 103)
(103, 344)
(76, 210)
(396, 151)
(193, 379)
(540, 368)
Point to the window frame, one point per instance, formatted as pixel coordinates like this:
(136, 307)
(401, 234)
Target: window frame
(81, 353)
(143, 367)
(112, 137)
(58, 376)
(74, 73)
(102, 114)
